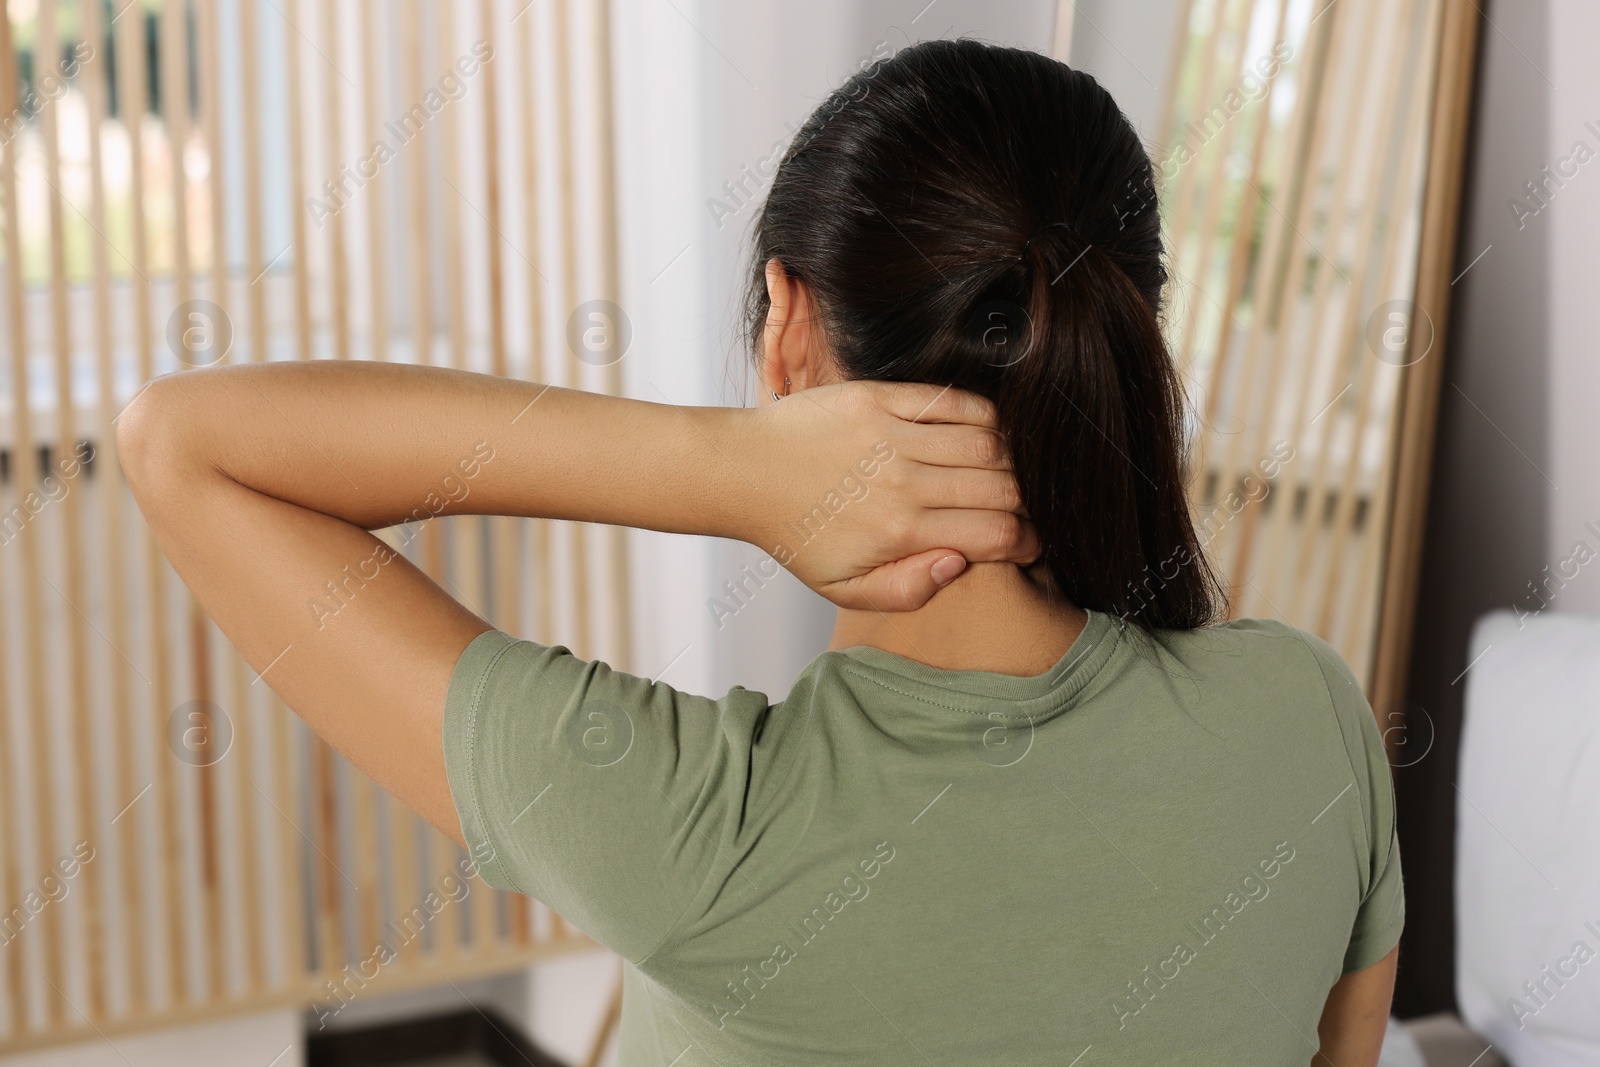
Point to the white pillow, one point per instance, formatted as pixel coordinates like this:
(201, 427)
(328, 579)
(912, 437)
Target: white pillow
(1528, 839)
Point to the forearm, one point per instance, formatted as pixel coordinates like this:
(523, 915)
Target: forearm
(377, 444)
(1356, 1015)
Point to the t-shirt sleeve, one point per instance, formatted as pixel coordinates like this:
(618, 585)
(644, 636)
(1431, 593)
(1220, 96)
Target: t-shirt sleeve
(1383, 905)
(611, 798)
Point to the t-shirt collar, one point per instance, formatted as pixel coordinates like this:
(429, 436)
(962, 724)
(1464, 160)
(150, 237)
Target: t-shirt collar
(1029, 696)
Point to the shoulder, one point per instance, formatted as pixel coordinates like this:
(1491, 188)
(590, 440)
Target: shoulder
(1346, 702)
(1265, 650)
(1320, 660)
(1271, 671)
(1287, 650)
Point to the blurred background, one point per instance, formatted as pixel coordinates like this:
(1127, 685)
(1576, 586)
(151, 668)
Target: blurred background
(1382, 228)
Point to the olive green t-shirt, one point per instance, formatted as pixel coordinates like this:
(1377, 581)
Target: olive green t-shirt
(1166, 849)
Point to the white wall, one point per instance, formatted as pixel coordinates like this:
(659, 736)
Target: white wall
(1573, 218)
(1127, 46)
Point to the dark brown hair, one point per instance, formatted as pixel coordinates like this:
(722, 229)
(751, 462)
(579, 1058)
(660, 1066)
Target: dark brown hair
(985, 217)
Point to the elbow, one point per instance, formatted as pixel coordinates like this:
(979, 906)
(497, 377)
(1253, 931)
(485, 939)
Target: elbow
(153, 436)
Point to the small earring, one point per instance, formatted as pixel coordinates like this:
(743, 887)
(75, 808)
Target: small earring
(774, 392)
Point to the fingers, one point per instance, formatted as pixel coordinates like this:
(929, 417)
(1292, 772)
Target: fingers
(904, 585)
(969, 488)
(916, 402)
(955, 445)
(980, 536)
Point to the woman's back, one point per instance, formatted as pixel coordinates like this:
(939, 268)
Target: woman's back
(1178, 841)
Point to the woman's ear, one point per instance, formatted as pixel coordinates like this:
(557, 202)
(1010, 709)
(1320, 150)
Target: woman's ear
(792, 354)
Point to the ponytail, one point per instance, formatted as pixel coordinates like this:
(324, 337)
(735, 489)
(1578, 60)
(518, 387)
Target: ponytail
(1093, 412)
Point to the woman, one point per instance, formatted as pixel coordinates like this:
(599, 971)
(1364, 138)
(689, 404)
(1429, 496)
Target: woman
(1033, 806)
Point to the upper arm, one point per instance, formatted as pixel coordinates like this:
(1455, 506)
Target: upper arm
(614, 799)
(1356, 1015)
(264, 524)
(1380, 916)
(353, 637)
(1357, 1009)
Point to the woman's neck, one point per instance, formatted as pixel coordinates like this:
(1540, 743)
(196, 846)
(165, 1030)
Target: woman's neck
(993, 617)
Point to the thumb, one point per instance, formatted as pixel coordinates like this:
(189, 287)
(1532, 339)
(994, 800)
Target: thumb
(904, 585)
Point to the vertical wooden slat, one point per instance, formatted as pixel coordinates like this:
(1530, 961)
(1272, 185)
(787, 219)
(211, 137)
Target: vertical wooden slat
(402, 830)
(77, 665)
(10, 811)
(250, 99)
(16, 334)
(491, 207)
(453, 210)
(321, 779)
(174, 72)
(331, 107)
(377, 221)
(24, 451)
(369, 873)
(108, 471)
(420, 266)
(297, 183)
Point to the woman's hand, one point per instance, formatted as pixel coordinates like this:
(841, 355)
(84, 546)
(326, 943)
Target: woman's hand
(877, 494)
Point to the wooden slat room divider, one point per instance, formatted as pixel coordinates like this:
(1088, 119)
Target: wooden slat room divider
(195, 181)
(1294, 154)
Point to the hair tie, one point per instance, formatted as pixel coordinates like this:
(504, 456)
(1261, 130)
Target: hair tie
(1028, 244)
